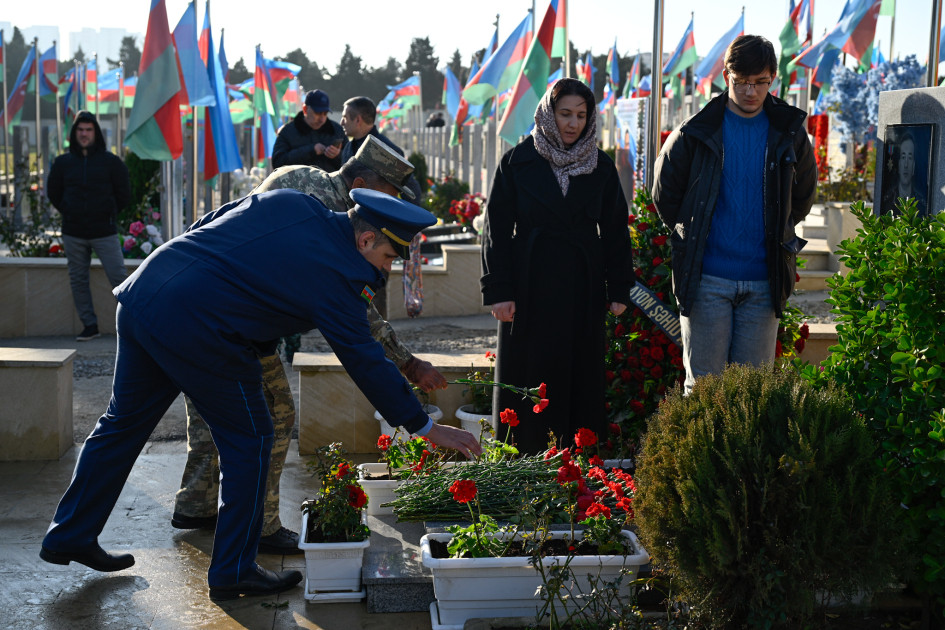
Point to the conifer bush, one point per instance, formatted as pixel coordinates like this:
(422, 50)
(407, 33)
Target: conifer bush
(760, 495)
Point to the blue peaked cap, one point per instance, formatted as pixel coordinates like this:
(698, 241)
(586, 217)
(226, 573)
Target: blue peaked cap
(396, 219)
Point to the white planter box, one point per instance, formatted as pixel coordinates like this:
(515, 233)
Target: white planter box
(432, 410)
(378, 490)
(470, 420)
(332, 570)
(466, 588)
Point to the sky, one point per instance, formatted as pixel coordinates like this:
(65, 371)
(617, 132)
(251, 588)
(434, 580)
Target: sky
(378, 29)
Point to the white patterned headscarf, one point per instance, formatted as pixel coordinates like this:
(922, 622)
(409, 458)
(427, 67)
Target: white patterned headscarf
(580, 158)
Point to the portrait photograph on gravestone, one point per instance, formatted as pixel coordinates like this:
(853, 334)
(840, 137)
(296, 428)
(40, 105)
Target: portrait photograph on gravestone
(906, 164)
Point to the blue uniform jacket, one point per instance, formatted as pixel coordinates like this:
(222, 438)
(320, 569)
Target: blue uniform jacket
(251, 272)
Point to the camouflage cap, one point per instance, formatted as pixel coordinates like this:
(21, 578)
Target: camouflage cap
(387, 163)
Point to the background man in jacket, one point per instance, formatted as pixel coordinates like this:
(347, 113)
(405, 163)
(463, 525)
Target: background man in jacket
(310, 138)
(88, 186)
(734, 244)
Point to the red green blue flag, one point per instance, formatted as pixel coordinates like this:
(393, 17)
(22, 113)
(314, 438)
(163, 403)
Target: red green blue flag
(221, 152)
(498, 74)
(154, 130)
(195, 85)
(532, 82)
(684, 55)
(709, 71)
(17, 96)
(265, 110)
(633, 78)
(852, 34)
(559, 46)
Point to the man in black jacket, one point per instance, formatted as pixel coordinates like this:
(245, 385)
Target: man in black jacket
(732, 182)
(88, 186)
(310, 138)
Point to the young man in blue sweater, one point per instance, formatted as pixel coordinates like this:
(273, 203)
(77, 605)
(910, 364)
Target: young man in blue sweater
(732, 182)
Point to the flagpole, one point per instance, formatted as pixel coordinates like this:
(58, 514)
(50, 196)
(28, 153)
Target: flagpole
(892, 33)
(6, 159)
(39, 139)
(656, 92)
(58, 113)
(121, 109)
(567, 37)
(933, 43)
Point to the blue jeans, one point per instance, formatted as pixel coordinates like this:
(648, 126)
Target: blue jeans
(732, 321)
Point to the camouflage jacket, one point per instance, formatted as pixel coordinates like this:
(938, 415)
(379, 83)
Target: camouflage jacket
(330, 189)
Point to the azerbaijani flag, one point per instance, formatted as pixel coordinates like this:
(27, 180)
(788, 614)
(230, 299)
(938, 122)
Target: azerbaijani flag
(633, 78)
(154, 124)
(49, 74)
(91, 84)
(109, 88)
(221, 152)
(281, 74)
(262, 102)
(407, 92)
(195, 85)
(684, 55)
(450, 91)
(128, 91)
(791, 42)
(559, 47)
(498, 74)
(17, 96)
(853, 34)
(710, 70)
(532, 82)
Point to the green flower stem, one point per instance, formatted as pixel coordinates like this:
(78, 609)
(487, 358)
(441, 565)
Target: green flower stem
(524, 392)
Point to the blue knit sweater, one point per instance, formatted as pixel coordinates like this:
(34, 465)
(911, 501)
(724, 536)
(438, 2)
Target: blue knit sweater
(735, 248)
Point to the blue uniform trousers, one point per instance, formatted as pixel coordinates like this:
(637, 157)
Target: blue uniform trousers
(148, 378)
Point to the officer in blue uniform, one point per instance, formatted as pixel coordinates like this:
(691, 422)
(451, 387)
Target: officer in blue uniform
(193, 317)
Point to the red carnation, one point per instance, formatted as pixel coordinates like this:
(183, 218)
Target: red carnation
(356, 497)
(799, 345)
(656, 372)
(614, 428)
(643, 227)
(343, 469)
(596, 461)
(610, 376)
(625, 376)
(620, 330)
(509, 417)
(384, 442)
(585, 437)
(540, 405)
(805, 331)
(778, 350)
(657, 261)
(657, 353)
(660, 240)
(542, 391)
(598, 508)
(568, 473)
(631, 219)
(463, 490)
(636, 406)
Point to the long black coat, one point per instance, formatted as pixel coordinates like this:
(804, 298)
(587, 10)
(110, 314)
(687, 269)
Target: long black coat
(562, 259)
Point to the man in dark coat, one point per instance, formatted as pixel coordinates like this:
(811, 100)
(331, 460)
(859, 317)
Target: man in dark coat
(195, 316)
(310, 138)
(357, 119)
(733, 219)
(88, 186)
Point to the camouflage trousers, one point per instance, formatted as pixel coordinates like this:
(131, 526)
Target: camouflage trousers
(200, 484)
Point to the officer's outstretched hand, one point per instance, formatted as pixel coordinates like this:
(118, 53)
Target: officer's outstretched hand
(424, 375)
(456, 439)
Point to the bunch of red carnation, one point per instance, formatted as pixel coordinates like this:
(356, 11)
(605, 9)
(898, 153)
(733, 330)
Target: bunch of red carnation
(467, 208)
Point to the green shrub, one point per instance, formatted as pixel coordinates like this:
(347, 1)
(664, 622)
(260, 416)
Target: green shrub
(420, 170)
(143, 174)
(760, 494)
(439, 199)
(889, 357)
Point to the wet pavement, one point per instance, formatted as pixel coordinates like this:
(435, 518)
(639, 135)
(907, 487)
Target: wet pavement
(166, 588)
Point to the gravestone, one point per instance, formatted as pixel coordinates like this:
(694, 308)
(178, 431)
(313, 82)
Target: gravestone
(914, 107)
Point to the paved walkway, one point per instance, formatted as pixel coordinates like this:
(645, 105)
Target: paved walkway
(167, 587)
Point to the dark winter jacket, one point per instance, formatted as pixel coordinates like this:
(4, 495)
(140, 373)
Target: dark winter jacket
(296, 142)
(89, 188)
(688, 174)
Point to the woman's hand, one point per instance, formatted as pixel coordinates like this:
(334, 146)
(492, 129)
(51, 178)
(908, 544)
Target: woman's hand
(504, 311)
(617, 308)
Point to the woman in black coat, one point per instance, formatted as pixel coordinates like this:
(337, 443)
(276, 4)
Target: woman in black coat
(556, 255)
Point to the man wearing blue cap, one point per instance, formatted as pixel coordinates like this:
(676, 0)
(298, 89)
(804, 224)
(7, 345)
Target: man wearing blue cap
(310, 138)
(195, 316)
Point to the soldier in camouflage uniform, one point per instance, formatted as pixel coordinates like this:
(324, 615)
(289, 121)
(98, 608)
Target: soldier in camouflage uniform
(377, 167)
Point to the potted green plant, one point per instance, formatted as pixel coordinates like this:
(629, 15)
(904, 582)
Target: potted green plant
(525, 568)
(401, 458)
(334, 529)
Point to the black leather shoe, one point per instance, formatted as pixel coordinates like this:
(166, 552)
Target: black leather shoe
(284, 542)
(262, 582)
(182, 521)
(93, 557)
